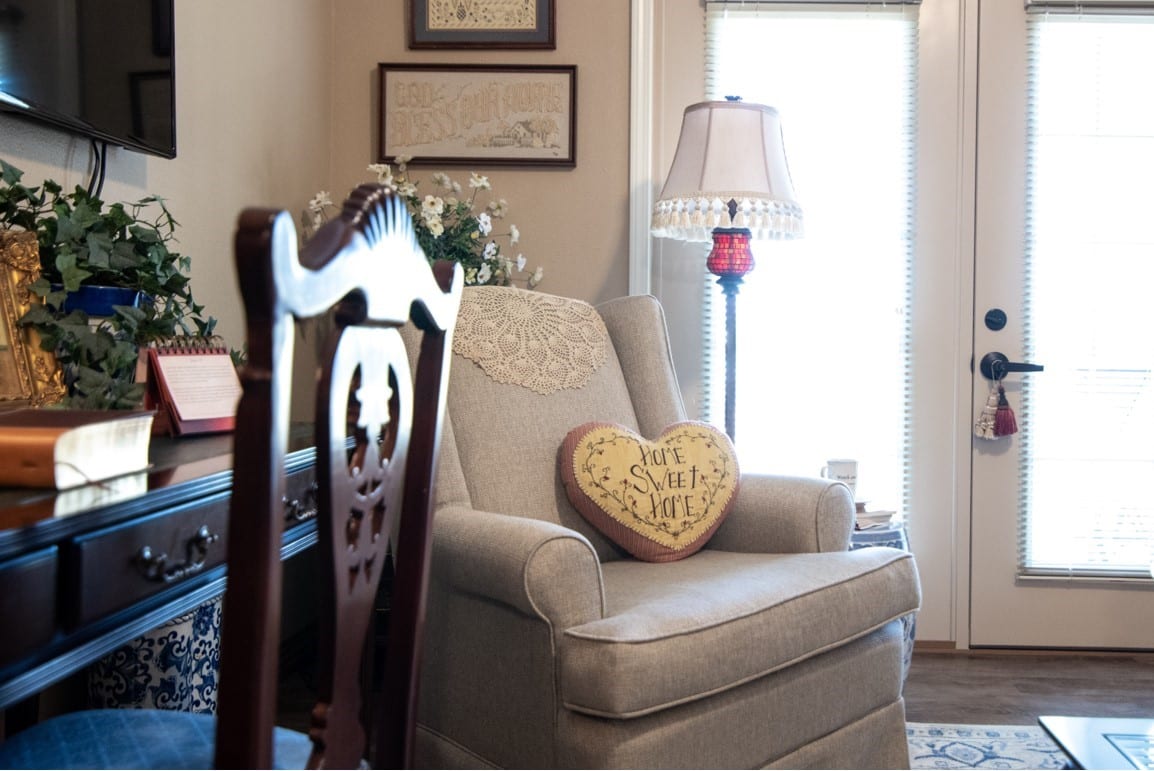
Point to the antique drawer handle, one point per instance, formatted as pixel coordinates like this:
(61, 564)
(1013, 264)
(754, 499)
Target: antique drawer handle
(155, 567)
(296, 510)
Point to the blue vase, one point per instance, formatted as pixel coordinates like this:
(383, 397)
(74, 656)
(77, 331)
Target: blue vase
(98, 300)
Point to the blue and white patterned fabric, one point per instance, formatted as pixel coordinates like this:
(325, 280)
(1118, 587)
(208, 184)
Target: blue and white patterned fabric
(172, 667)
(934, 745)
(123, 738)
(894, 537)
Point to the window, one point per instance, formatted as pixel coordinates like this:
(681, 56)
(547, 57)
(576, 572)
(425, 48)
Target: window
(823, 321)
(1090, 257)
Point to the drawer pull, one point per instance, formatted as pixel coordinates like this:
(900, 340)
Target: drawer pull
(155, 567)
(296, 510)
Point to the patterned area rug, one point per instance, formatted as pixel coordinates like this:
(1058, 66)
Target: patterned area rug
(939, 745)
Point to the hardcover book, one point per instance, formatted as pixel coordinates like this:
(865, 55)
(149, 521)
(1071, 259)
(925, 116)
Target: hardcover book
(68, 448)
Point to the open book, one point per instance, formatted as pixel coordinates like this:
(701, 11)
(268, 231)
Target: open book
(194, 383)
(68, 448)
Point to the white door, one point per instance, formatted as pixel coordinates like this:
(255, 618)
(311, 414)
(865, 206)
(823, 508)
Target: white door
(1082, 462)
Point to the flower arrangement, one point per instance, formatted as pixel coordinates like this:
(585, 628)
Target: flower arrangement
(448, 224)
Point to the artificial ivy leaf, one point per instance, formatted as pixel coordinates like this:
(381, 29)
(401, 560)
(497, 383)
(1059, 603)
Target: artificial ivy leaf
(37, 314)
(124, 256)
(9, 173)
(99, 249)
(119, 218)
(70, 274)
(84, 216)
(40, 287)
(144, 234)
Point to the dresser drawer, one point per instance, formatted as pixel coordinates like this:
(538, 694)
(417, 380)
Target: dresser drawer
(28, 603)
(113, 568)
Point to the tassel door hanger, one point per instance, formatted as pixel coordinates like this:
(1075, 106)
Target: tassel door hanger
(1005, 424)
(984, 428)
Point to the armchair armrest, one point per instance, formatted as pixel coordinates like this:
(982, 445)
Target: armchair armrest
(777, 514)
(540, 568)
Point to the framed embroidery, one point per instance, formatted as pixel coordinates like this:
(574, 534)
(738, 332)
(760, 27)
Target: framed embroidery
(482, 24)
(468, 115)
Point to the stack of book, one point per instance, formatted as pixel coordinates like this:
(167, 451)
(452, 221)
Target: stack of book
(873, 520)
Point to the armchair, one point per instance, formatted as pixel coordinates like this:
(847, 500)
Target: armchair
(549, 647)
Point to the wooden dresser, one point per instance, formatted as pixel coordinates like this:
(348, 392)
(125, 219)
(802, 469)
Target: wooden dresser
(84, 571)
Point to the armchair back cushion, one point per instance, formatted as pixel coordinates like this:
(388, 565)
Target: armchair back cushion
(503, 466)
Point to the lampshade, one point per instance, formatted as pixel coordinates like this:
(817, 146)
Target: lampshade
(728, 151)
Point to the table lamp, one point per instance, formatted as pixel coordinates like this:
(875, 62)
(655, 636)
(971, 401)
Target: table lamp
(729, 182)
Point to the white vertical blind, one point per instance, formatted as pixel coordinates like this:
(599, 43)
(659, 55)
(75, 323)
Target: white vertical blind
(823, 337)
(1088, 441)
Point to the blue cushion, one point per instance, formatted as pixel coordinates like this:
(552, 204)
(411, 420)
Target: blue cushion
(133, 738)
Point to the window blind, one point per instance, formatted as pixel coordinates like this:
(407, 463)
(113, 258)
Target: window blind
(823, 321)
(1090, 7)
(1088, 458)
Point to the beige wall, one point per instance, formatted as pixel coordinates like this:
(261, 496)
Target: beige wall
(250, 79)
(573, 222)
(277, 99)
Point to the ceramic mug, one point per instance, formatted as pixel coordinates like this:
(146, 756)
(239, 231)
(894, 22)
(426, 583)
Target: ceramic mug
(841, 470)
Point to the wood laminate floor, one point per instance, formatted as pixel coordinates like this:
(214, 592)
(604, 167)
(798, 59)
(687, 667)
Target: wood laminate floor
(1014, 688)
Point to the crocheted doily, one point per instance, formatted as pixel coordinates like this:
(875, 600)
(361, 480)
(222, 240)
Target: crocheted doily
(538, 341)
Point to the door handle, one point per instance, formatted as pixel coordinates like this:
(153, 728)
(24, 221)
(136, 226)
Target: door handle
(995, 366)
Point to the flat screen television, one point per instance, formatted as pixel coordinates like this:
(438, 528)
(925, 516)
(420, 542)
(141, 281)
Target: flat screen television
(97, 68)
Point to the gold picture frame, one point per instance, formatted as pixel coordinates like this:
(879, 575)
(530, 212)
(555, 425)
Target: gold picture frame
(29, 376)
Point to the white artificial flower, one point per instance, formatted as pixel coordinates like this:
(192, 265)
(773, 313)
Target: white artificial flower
(521, 262)
(457, 187)
(498, 208)
(452, 201)
(436, 227)
(320, 201)
(384, 173)
(432, 204)
(407, 190)
(514, 235)
(535, 279)
(484, 224)
(403, 161)
(484, 274)
(477, 182)
(441, 179)
(490, 250)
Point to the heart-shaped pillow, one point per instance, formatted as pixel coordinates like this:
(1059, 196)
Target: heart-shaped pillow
(659, 500)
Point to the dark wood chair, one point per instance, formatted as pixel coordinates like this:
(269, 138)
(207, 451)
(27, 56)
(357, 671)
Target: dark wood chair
(378, 422)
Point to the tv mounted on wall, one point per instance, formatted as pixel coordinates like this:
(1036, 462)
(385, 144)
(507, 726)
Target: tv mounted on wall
(97, 68)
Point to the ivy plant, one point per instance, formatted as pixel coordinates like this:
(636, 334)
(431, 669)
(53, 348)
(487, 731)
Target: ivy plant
(83, 242)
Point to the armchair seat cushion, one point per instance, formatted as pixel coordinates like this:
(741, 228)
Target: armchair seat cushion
(679, 631)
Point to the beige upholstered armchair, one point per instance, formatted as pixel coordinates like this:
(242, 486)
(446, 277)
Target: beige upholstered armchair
(548, 647)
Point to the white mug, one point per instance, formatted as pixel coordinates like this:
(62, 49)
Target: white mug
(841, 470)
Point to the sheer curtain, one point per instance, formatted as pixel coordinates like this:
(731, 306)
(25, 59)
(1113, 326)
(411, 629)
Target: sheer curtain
(823, 321)
(1089, 457)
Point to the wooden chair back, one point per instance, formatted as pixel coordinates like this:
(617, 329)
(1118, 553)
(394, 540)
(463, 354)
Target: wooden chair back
(377, 435)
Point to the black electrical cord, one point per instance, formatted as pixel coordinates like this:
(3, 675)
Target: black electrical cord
(99, 162)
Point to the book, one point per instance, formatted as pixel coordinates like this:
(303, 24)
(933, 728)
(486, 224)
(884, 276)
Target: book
(193, 382)
(69, 448)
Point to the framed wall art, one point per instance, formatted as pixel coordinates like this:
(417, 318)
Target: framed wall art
(463, 115)
(482, 24)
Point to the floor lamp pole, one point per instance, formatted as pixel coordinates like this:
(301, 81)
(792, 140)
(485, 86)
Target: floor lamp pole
(730, 259)
(730, 286)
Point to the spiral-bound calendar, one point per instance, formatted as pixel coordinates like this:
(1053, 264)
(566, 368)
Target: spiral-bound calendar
(194, 382)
